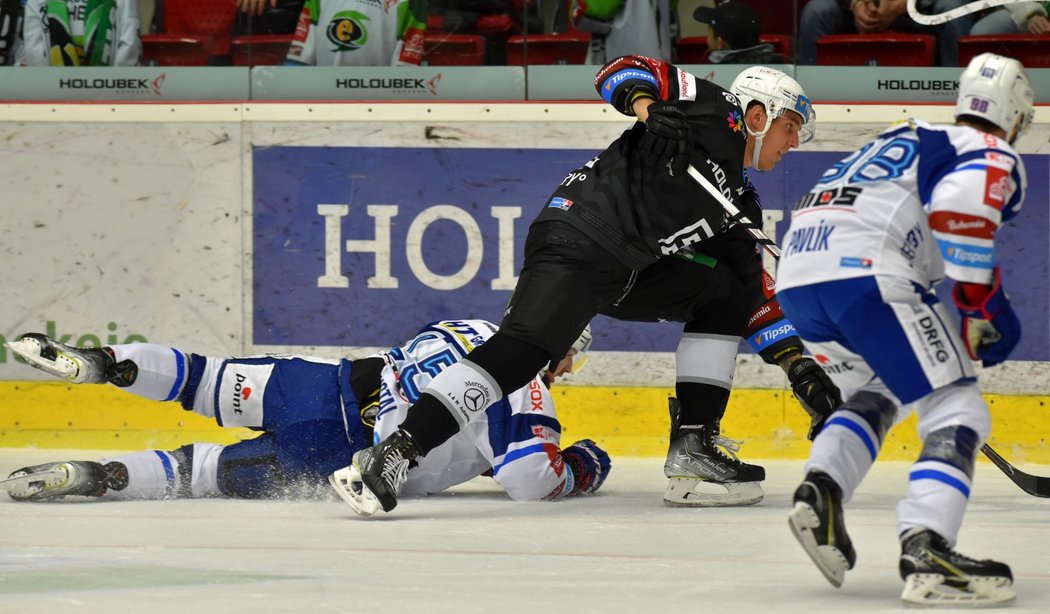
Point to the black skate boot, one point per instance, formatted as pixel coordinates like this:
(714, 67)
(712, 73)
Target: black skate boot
(77, 365)
(936, 575)
(376, 474)
(819, 525)
(700, 474)
(56, 480)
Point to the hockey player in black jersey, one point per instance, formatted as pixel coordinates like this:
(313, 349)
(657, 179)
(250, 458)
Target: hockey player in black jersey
(629, 235)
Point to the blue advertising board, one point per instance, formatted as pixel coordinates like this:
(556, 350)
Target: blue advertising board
(360, 246)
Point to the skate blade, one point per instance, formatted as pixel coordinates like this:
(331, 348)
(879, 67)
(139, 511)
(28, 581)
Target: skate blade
(828, 559)
(930, 591)
(38, 485)
(350, 488)
(694, 492)
(63, 366)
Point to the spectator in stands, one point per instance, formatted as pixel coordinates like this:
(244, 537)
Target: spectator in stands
(1020, 18)
(359, 33)
(54, 33)
(823, 17)
(266, 16)
(733, 35)
(10, 22)
(626, 27)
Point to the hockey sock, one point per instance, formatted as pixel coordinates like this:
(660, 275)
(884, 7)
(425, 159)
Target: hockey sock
(701, 403)
(162, 370)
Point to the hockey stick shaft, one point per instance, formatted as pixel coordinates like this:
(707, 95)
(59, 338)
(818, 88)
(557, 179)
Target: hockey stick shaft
(734, 213)
(962, 11)
(1032, 484)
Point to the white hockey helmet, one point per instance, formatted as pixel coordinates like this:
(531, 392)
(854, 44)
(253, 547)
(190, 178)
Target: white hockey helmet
(778, 93)
(996, 89)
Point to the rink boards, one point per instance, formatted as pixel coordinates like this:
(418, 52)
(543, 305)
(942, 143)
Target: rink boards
(340, 228)
(627, 421)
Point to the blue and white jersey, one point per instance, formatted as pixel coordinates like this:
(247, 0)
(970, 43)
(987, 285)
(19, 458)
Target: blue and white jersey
(919, 202)
(517, 438)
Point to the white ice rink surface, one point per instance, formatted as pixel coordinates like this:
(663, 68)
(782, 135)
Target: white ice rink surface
(473, 550)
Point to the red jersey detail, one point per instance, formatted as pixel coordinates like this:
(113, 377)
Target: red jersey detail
(962, 224)
(996, 183)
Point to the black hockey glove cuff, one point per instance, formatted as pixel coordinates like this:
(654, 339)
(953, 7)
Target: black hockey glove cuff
(816, 392)
(666, 137)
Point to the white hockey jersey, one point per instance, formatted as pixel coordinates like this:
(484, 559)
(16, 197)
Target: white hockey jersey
(39, 44)
(517, 439)
(919, 202)
(359, 33)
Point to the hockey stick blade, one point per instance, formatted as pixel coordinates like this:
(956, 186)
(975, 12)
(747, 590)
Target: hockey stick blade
(1037, 486)
(962, 11)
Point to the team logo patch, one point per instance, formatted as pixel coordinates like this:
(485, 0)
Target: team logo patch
(735, 123)
(347, 31)
(855, 263)
(560, 203)
(996, 183)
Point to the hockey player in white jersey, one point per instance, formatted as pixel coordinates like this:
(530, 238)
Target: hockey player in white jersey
(862, 253)
(79, 33)
(313, 414)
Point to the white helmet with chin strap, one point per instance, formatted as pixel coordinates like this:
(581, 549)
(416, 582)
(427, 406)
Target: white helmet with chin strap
(778, 93)
(996, 89)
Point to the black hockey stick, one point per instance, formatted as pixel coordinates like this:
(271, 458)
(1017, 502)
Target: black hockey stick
(1032, 484)
(1035, 485)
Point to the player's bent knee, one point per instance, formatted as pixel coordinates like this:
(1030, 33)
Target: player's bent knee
(955, 445)
(877, 410)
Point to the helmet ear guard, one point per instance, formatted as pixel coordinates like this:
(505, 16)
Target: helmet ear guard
(996, 89)
(581, 346)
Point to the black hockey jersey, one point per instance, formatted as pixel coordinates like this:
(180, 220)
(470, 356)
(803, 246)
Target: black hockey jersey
(629, 203)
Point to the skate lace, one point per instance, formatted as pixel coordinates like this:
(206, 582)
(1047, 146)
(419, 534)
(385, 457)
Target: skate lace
(729, 445)
(395, 469)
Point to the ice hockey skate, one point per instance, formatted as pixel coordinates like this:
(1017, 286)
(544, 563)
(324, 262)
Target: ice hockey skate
(936, 575)
(77, 365)
(700, 474)
(374, 478)
(57, 480)
(818, 524)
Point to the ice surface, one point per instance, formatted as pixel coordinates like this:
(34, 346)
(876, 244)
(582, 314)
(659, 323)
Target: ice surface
(474, 550)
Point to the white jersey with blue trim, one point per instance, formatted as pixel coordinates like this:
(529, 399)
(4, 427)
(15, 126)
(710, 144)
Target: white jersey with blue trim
(919, 202)
(517, 439)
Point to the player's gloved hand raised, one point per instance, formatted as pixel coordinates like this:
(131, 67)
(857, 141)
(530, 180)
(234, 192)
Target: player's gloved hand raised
(666, 137)
(989, 325)
(589, 465)
(819, 396)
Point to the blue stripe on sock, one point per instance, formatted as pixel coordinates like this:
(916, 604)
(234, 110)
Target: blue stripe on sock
(169, 473)
(180, 375)
(860, 432)
(940, 476)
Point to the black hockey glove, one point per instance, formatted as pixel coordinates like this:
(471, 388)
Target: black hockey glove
(815, 391)
(666, 137)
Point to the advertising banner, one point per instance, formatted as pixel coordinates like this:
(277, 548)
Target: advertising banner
(356, 246)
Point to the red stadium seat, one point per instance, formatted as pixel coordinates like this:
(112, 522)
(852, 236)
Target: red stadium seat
(693, 49)
(441, 49)
(568, 48)
(212, 18)
(175, 50)
(1033, 50)
(884, 49)
(260, 49)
